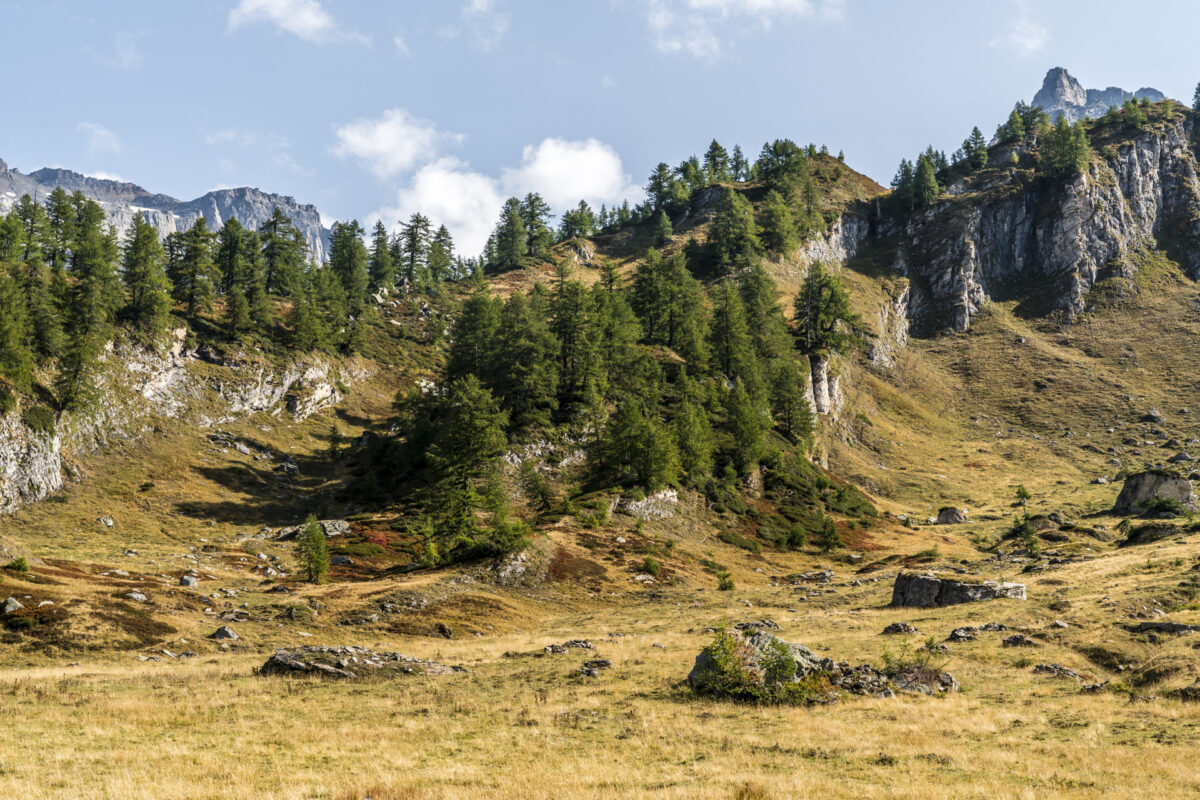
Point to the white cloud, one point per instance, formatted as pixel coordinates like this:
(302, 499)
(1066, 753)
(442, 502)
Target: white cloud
(564, 172)
(608, 82)
(1025, 37)
(450, 194)
(99, 138)
(125, 54)
(401, 45)
(486, 25)
(306, 19)
(692, 27)
(273, 145)
(394, 143)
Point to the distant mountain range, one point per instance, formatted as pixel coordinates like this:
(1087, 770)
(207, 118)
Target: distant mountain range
(1062, 95)
(121, 201)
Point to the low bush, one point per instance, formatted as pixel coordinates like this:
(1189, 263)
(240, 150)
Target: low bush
(38, 419)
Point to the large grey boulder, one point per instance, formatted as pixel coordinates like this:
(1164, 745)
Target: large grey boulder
(951, 516)
(11, 605)
(753, 647)
(930, 591)
(1143, 488)
(349, 662)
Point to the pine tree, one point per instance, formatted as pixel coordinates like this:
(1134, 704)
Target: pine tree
(789, 405)
(348, 259)
(662, 229)
(730, 342)
(510, 237)
(284, 252)
(308, 328)
(1068, 151)
(746, 421)
(693, 436)
(904, 185)
(196, 280)
(716, 164)
(312, 551)
(975, 149)
(528, 385)
(824, 322)
(61, 219)
(1013, 130)
(331, 305)
(47, 337)
(474, 336)
(95, 298)
(782, 164)
(574, 327)
(734, 233)
(415, 238)
(778, 225)
(661, 188)
(535, 213)
(925, 186)
(380, 267)
(149, 306)
(739, 165)
(441, 256)
(764, 317)
(16, 359)
(577, 222)
(638, 447)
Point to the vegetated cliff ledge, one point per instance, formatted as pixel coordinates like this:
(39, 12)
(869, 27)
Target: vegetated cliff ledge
(1008, 232)
(141, 385)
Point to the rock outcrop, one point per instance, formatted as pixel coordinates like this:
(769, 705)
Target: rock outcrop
(121, 200)
(1062, 95)
(138, 385)
(930, 591)
(1014, 234)
(1143, 488)
(349, 663)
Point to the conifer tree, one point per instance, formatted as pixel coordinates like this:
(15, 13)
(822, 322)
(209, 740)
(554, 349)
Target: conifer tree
(636, 446)
(474, 336)
(284, 252)
(574, 327)
(734, 233)
(925, 184)
(904, 185)
(16, 359)
(380, 267)
(196, 278)
(312, 551)
(1013, 130)
(789, 405)
(693, 435)
(46, 328)
(778, 225)
(441, 256)
(348, 259)
(661, 187)
(149, 291)
(746, 422)
(975, 149)
(528, 384)
(739, 166)
(415, 238)
(716, 163)
(510, 237)
(824, 322)
(662, 229)
(730, 342)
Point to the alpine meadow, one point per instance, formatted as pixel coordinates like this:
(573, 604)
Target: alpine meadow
(605, 433)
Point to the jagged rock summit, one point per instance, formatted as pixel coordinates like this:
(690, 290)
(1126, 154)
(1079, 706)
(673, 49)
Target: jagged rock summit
(121, 200)
(1062, 95)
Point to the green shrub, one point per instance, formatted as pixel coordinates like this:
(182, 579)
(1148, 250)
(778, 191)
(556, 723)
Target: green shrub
(360, 549)
(737, 540)
(830, 538)
(38, 419)
(312, 551)
(20, 623)
(8, 400)
(773, 682)
(1162, 505)
(651, 567)
(725, 582)
(18, 565)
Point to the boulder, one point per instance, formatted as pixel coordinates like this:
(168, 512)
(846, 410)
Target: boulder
(1143, 488)
(951, 516)
(191, 581)
(341, 561)
(1150, 532)
(899, 628)
(752, 646)
(348, 663)
(1019, 640)
(930, 591)
(11, 606)
(330, 527)
(223, 632)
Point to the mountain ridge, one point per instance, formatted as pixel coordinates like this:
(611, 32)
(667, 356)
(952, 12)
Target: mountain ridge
(121, 200)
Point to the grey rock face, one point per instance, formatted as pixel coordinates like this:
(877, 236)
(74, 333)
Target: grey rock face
(1052, 239)
(1062, 95)
(1145, 487)
(189, 581)
(952, 516)
(929, 591)
(121, 201)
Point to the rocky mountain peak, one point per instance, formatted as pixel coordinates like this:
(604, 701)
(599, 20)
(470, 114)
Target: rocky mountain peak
(1062, 95)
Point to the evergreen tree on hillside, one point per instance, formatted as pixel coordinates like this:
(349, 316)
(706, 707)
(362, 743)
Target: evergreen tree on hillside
(475, 334)
(308, 328)
(535, 214)
(332, 306)
(747, 425)
(16, 358)
(510, 237)
(789, 403)
(579, 221)
(528, 384)
(693, 435)
(635, 446)
(574, 327)
(149, 291)
(284, 251)
(414, 240)
(1013, 130)
(1196, 111)
(782, 164)
(777, 223)
(94, 300)
(734, 233)
(197, 278)
(925, 183)
(739, 166)
(904, 185)
(348, 259)
(60, 217)
(764, 317)
(1067, 149)
(730, 342)
(662, 229)
(312, 551)
(380, 267)
(441, 256)
(716, 163)
(660, 187)
(824, 322)
(46, 330)
(975, 149)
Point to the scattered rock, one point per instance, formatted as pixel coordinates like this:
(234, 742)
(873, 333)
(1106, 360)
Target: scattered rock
(11, 606)
(951, 516)
(925, 680)
(224, 632)
(190, 581)
(760, 624)
(136, 597)
(1142, 488)
(330, 527)
(1163, 627)
(106, 521)
(899, 628)
(929, 591)
(341, 561)
(1057, 670)
(591, 669)
(962, 635)
(573, 644)
(1019, 640)
(348, 663)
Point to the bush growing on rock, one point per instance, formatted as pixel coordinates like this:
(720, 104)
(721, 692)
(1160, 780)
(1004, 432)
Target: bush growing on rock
(736, 671)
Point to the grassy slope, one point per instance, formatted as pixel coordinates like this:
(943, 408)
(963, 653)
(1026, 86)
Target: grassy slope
(958, 421)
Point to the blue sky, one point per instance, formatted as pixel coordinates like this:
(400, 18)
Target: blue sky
(374, 109)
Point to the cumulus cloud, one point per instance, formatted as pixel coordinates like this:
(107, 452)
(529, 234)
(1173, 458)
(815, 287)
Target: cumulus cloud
(486, 25)
(394, 143)
(125, 54)
(564, 172)
(306, 19)
(1025, 36)
(401, 45)
(690, 27)
(100, 140)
